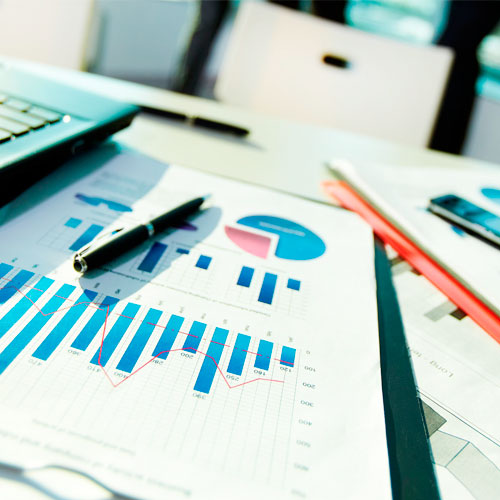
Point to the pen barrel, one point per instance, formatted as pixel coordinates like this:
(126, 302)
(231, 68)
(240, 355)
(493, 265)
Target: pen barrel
(177, 215)
(123, 241)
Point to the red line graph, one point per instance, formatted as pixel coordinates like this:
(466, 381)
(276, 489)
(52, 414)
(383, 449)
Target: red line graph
(137, 370)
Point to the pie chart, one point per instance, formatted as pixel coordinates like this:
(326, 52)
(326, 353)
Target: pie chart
(295, 242)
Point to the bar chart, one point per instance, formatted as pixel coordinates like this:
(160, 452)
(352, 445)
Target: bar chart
(191, 268)
(268, 285)
(116, 334)
(71, 234)
(161, 255)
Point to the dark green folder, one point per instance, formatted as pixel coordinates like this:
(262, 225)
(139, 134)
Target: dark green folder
(411, 468)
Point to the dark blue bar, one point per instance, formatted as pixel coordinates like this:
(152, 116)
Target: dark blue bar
(9, 288)
(86, 237)
(28, 333)
(59, 332)
(94, 324)
(182, 250)
(267, 290)
(211, 361)
(72, 222)
(168, 336)
(141, 337)
(239, 355)
(246, 276)
(204, 261)
(293, 284)
(152, 257)
(194, 338)
(264, 355)
(22, 306)
(287, 356)
(113, 338)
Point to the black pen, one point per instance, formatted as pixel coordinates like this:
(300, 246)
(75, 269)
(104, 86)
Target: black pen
(197, 121)
(120, 241)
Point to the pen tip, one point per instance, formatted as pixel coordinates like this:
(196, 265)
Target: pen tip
(206, 197)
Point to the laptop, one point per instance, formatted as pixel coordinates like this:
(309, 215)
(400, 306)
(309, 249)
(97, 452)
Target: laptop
(42, 123)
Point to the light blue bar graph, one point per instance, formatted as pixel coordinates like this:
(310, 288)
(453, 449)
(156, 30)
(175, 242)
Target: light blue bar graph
(86, 237)
(239, 355)
(28, 333)
(141, 337)
(264, 355)
(23, 305)
(293, 284)
(246, 275)
(94, 324)
(287, 356)
(267, 289)
(203, 261)
(73, 223)
(211, 361)
(184, 251)
(12, 286)
(152, 258)
(115, 335)
(168, 336)
(59, 332)
(194, 337)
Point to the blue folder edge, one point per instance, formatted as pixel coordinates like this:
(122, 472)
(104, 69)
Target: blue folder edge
(410, 462)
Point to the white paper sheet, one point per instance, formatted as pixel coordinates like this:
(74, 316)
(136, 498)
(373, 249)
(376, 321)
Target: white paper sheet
(457, 367)
(306, 423)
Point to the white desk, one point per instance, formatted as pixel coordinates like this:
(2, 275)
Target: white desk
(277, 153)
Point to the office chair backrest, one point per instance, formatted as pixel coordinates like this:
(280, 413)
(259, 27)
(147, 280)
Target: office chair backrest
(296, 66)
(49, 31)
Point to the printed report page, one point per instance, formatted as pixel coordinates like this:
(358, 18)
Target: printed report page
(232, 356)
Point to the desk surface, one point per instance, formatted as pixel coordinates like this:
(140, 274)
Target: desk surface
(277, 153)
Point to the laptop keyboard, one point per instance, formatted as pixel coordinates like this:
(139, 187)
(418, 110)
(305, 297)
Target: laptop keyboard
(18, 117)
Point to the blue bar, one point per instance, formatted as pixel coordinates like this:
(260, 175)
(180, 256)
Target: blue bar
(9, 288)
(293, 284)
(5, 269)
(211, 361)
(264, 355)
(141, 337)
(287, 356)
(94, 324)
(246, 276)
(193, 340)
(239, 355)
(113, 338)
(72, 222)
(168, 336)
(182, 250)
(86, 237)
(22, 306)
(28, 333)
(152, 257)
(59, 332)
(204, 262)
(267, 290)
